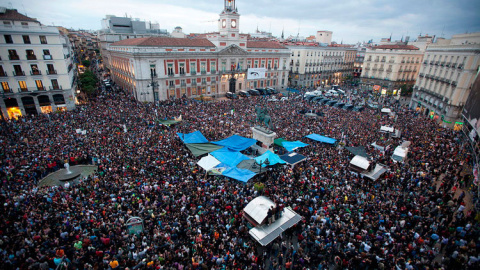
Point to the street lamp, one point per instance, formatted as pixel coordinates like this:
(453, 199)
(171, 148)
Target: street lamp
(153, 83)
(266, 162)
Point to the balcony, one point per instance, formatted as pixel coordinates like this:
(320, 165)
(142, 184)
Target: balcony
(193, 73)
(376, 60)
(171, 74)
(389, 70)
(35, 73)
(391, 61)
(460, 66)
(14, 57)
(383, 60)
(31, 57)
(432, 62)
(425, 62)
(181, 73)
(19, 73)
(183, 85)
(3, 74)
(380, 69)
(47, 57)
(403, 62)
(194, 83)
(55, 88)
(213, 71)
(454, 65)
(51, 72)
(408, 62)
(171, 86)
(41, 88)
(203, 72)
(24, 89)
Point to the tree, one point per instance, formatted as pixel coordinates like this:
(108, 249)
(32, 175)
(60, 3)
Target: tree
(407, 89)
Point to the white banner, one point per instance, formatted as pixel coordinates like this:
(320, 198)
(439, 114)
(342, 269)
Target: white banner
(256, 73)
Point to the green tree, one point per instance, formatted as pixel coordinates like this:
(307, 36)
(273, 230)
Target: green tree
(86, 63)
(407, 90)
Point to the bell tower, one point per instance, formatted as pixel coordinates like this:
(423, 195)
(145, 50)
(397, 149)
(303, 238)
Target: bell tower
(229, 19)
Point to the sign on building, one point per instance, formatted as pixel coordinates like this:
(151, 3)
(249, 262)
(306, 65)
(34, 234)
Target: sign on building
(256, 73)
(134, 225)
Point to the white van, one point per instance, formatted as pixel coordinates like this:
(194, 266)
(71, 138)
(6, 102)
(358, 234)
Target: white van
(331, 93)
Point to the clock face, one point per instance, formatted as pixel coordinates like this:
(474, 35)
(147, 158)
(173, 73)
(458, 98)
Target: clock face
(224, 23)
(234, 24)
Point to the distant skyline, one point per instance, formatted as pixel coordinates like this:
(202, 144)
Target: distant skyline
(350, 20)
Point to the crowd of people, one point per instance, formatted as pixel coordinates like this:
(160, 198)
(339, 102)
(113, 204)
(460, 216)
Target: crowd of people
(411, 218)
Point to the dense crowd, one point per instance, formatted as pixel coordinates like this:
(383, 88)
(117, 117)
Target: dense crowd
(411, 218)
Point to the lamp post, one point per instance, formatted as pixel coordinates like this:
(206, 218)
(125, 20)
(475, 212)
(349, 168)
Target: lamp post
(153, 84)
(266, 162)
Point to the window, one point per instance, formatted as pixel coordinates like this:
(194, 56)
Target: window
(193, 68)
(12, 55)
(51, 69)
(213, 67)
(7, 24)
(55, 84)
(43, 39)
(39, 85)
(153, 71)
(203, 68)
(23, 86)
(25, 24)
(46, 52)
(204, 81)
(224, 66)
(8, 39)
(182, 68)
(31, 55)
(170, 70)
(5, 87)
(35, 70)
(256, 64)
(26, 39)
(46, 55)
(2, 72)
(18, 70)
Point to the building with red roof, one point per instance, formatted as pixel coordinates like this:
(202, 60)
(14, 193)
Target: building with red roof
(208, 64)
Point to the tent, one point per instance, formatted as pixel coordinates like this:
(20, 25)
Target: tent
(360, 163)
(168, 122)
(249, 164)
(279, 141)
(320, 138)
(199, 149)
(293, 158)
(229, 157)
(208, 162)
(272, 158)
(194, 137)
(239, 174)
(375, 173)
(267, 233)
(236, 142)
(358, 151)
(290, 146)
(257, 209)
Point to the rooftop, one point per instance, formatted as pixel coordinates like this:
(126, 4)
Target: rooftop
(265, 44)
(13, 15)
(165, 42)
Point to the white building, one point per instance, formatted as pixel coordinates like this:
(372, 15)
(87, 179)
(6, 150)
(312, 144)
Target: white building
(36, 67)
(178, 32)
(192, 67)
(446, 77)
(324, 37)
(313, 66)
(387, 67)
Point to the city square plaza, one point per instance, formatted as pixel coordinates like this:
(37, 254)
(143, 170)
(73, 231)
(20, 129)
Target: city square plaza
(148, 203)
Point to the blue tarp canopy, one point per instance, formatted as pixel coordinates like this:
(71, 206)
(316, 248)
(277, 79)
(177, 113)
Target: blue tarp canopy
(236, 142)
(239, 174)
(293, 158)
(194, 137)
(229, 157)
(290, 146)
(272, 158)
(321, 138)
(292, 90)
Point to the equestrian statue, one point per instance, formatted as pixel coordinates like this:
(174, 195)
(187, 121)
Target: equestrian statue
(263, 117)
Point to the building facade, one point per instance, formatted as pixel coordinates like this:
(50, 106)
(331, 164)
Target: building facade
(446, 78)
(388, 67)
(36, 67)
(119, 28)
(192, 67)
(313, 66)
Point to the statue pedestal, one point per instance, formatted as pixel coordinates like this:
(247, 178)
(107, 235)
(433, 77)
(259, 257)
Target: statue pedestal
(265, 136)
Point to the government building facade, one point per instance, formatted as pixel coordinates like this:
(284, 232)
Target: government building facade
(160, 68)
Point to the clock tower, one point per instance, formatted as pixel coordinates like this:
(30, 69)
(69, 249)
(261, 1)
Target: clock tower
(228, 23)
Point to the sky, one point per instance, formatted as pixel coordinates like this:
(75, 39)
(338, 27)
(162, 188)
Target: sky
(350, 20)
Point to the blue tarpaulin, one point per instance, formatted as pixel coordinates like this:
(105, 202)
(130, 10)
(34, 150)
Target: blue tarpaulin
(194, 137)
(292, 90)
(321, 138)
(290, 146)
(272, 158)
(236, 142)
(239, 174)
(229, 157)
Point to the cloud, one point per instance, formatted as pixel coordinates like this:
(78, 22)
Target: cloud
(350, 20)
